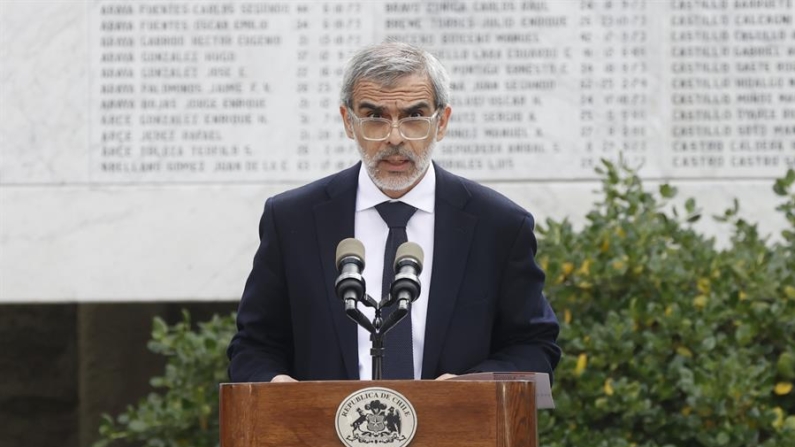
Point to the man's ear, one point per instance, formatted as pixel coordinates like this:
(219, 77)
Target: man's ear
(444, 118)
(347, 122)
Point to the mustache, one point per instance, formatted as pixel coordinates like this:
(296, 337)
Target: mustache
(399, 150)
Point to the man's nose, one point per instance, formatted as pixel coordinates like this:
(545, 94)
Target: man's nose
(395, 138)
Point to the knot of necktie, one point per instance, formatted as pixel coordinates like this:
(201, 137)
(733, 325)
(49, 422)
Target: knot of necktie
(395, 214)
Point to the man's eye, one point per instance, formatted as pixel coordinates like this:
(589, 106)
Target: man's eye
(416, 115)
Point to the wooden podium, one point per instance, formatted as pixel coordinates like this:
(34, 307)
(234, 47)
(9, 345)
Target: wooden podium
(454, 413)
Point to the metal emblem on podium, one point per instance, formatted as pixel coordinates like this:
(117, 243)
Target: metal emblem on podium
(376, 416)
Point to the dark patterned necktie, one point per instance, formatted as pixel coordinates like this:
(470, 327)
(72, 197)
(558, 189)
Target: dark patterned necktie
(398, 344)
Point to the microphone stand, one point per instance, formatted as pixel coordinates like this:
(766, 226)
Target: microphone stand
(378, 327)
(405, 288)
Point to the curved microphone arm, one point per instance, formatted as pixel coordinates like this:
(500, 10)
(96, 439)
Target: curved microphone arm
(404, 307)
(356, 315)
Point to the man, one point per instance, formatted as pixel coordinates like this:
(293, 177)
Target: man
(481, 307)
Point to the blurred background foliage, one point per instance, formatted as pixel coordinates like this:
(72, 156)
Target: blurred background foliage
(668, 339)
(185, 414)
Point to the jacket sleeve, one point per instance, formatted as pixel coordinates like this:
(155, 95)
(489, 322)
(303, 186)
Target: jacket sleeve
(263, 346)
(525, 330)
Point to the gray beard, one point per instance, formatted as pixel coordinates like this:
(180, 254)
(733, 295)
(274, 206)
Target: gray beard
(399, 182)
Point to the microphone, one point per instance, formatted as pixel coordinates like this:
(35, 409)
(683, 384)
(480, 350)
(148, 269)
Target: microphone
(408, 266)
(350, 263)
(350, 285)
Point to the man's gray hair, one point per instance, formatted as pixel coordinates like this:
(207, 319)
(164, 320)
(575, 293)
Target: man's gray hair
(386, 63)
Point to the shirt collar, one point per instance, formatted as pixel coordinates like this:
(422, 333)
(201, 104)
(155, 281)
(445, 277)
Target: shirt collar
(422, 196)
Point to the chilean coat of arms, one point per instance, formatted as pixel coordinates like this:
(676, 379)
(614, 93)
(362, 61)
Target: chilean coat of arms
(377, 417)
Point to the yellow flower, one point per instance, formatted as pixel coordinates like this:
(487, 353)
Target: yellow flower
(778, 422)
(567, 316)
(605, 245)
(686, 411)
(700, 301)
(783, 388)
(585, 268)
(684, 352)
(742, 295)
(789, 291)
(703, 285)
(668, 311)
(544, 263)
(609, 387)
(618, 265)
(568, 267)
(582, 363)
(621, 233)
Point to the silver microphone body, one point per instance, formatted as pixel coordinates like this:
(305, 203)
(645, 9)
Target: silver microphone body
(406, 287)
(350, 285)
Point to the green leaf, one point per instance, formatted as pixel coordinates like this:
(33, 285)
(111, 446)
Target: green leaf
(690, 205)
(159, 328)
(667, 191)
(708, 344)
(693, 218)
(137, 426)
(785, 365)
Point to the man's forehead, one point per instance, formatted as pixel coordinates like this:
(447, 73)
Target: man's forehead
(407, 89)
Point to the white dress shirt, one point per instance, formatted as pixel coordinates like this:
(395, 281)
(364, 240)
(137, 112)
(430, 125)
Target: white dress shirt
(372, 231)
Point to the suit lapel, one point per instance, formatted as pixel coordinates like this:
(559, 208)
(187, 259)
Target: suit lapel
(453, 233)
(334, 220)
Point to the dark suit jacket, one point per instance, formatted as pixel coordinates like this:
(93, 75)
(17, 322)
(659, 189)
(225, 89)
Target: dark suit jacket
(486, 311)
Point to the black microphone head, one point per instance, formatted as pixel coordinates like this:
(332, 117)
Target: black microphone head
(350, 247)
(407, 251)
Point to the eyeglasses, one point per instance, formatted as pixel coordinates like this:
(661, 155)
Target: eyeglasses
(411, 128)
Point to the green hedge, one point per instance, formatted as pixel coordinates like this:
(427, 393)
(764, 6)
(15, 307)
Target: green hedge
(669, 340)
